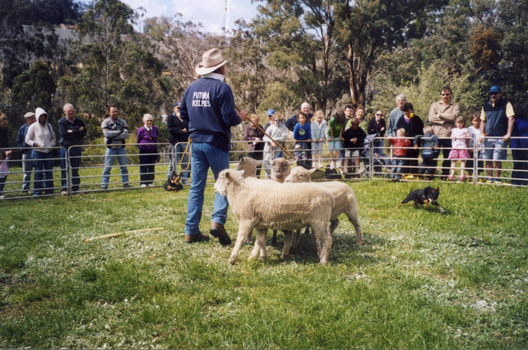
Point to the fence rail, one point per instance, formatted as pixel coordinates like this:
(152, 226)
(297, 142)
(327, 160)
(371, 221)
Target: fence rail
(375, 162)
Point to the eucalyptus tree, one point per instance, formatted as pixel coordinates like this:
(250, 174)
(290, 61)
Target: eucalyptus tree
(115, 65)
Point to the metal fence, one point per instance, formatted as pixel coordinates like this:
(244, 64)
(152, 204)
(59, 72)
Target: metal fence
(89, 163)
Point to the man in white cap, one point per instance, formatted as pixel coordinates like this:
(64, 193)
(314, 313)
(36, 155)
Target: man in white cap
(209, 108)
(25, 150)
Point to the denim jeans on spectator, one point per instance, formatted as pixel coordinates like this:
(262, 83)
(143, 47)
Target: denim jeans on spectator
(75, 163)
(203, 156)
(27, 168)
(43, 163)
(397, 166)
(110, 156)
(180, 149)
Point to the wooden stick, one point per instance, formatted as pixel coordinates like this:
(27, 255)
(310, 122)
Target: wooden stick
(119, 234)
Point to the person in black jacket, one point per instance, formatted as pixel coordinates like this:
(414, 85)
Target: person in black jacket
(354, 139)
(178, 137)
(72, 131)
(413, 126)
(377, 126)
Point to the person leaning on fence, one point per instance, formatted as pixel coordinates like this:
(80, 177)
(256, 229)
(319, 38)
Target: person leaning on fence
(318, 131)
(459, 143)
(25, 150)
(354, 140)
(474, 133)
(4, 144)
(335, 138)
(413, 126)
(4, 170)
(429, 144)
(279, 133)
(496, 126)
(72, 131)
(147, 136)
(208, 106)
(42, 138)
(519, 145)
(255, 144)
(302, 136)
(401, 144)
(115, 131)
(178, 138)
(442, 117)
(376, 126)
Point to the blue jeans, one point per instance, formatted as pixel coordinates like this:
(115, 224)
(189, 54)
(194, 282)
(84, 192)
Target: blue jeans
(180, 149)
(203, 156)
(27, 168)
(43, 163)
(110, 156)
(397, 166)
(75, 163)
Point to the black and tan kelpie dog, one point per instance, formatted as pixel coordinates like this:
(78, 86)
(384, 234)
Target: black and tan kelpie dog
(173, 184)
(425, 197)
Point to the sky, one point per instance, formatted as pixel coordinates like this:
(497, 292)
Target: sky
(211, 13)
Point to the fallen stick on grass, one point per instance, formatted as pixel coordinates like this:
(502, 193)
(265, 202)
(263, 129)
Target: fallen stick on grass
(119, 234)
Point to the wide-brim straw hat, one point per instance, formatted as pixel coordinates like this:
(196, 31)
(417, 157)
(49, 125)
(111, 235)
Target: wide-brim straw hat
(211, 61)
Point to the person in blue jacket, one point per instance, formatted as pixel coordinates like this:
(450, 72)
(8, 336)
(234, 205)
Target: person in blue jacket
(25, 150)
(209, 108)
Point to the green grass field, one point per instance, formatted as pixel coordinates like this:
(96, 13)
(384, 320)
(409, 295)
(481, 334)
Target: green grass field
(423, 279)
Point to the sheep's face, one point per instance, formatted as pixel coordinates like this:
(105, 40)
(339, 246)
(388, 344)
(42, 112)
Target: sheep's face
(225, 178)
(299, 174)
(249, 166)
(280, 169)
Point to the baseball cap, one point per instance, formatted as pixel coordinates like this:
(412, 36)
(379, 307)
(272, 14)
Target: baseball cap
(270, 112)
(495, 88)
(177, 104)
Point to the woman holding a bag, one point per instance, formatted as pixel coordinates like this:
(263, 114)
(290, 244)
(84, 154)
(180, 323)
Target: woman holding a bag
(147, 136)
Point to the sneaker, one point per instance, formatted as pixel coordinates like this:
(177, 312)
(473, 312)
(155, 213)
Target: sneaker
(218, 231)
(497, 182)
(319, 165)
(104, 187)
(490, 181)
(338, 165)
(2, 196)
(64, 192)
(142, 185)
(198, 237)
(332, 165)
(127, 186)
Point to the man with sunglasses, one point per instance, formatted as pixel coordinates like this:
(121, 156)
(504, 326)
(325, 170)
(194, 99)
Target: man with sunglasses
(497, 119)
(442, 117)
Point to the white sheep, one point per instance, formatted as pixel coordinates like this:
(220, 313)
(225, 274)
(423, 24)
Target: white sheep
(271, 205)
(344, 196)
(249, 166)
(280, 169)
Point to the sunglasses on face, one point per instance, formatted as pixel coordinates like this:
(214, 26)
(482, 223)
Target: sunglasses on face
(379, 115)
(493, 93)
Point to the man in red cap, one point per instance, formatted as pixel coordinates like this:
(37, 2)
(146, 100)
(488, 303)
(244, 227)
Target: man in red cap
(209, 108)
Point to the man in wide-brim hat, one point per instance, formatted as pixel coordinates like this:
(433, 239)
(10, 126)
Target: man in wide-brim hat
(209, 108)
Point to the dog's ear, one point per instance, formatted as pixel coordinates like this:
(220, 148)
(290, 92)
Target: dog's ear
(438, 190)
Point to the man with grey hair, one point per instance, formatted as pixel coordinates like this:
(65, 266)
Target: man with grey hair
(395, 115)
(72, 131)
(115, 130)
(306, 109)
(25, 150)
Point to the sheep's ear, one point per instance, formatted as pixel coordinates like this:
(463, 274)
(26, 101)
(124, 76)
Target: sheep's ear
(291, 162)
(241, 172)
(311, 171)
(242, 160)
(227, 175)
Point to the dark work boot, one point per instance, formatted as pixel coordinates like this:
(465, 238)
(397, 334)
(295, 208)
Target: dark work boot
(218, 231)
(198, 237)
